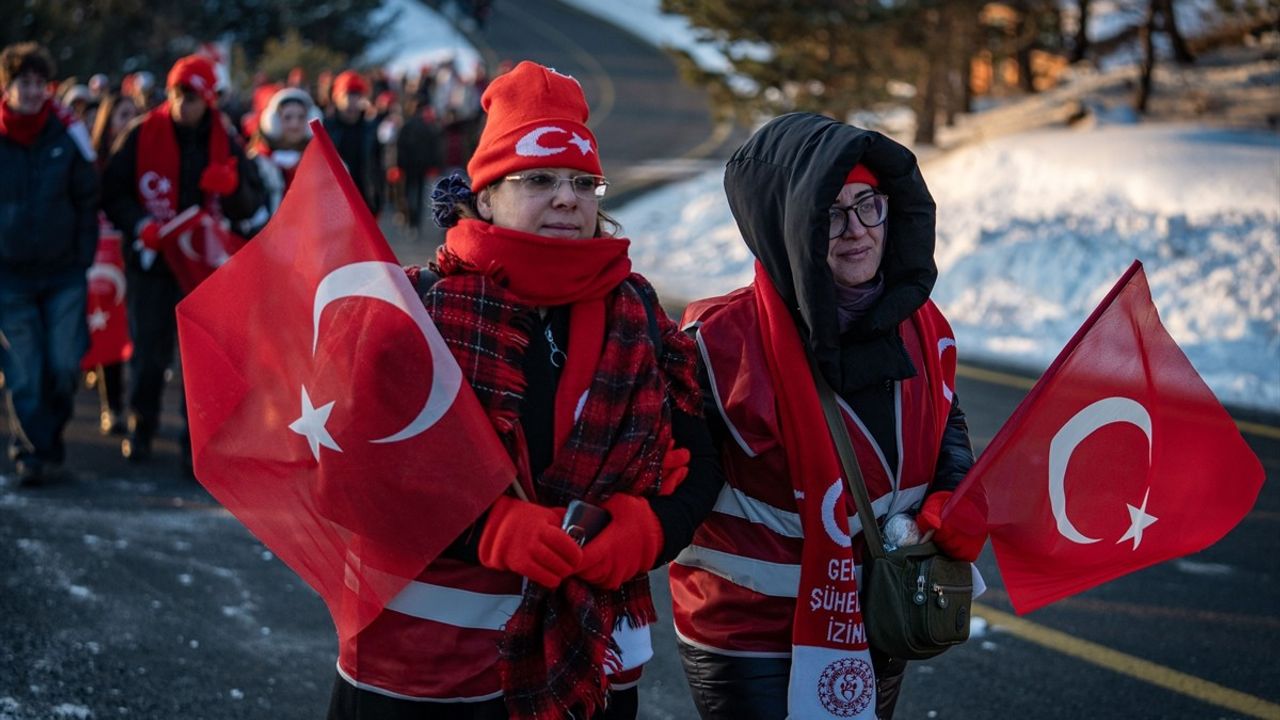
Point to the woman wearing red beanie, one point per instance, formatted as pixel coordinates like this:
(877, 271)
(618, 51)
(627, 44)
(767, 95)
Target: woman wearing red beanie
(765, 599)
(593, 392)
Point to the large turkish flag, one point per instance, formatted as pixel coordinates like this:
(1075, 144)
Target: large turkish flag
(1119, 458)
(326, 412)
(109, 341)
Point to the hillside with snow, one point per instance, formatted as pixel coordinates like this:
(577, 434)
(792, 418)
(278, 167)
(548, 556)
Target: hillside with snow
(1033, 229)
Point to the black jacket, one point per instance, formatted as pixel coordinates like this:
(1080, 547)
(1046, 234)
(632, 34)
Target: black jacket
(48, 203)
(780, 185)
(120, 181)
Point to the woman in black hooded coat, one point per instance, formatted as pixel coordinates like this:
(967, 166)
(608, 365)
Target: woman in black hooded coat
(842, 226)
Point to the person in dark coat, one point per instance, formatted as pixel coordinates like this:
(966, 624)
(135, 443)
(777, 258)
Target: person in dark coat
(354, 135)
(180, 154)
(418, 154)
(765, 601)
(48, 235)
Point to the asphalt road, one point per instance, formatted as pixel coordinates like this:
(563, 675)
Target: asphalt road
(126, 592)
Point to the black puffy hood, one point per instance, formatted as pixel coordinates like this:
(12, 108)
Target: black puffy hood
(780, 185)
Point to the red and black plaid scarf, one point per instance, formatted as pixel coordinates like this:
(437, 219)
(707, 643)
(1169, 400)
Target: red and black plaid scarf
(553, 648)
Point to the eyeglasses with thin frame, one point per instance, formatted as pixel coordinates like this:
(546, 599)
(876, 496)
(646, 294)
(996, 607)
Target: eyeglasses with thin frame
(872, 210)
(538, 183)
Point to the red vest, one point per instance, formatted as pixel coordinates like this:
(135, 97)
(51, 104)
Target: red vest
(734, 589)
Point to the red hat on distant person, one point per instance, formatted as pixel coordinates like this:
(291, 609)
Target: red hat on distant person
(861, 174)
(537, 118)
(350, 81)
(195, 72)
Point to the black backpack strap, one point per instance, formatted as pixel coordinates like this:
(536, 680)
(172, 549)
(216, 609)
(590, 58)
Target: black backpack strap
(655, 333)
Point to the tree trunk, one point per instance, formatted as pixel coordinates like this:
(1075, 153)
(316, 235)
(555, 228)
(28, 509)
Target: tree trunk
(1025, 38)
(931, 87)
(1148, 58)
(1081, 47)
(1181, 52)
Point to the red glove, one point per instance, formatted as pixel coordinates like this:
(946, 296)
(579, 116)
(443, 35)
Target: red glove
(220, 178)
(149, 235)
(965, 530)
(628, 545)
(675, 468)
(394, 175)
(526, 539)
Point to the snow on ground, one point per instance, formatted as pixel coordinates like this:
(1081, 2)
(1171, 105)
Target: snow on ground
(420, 36)
(1034, 229)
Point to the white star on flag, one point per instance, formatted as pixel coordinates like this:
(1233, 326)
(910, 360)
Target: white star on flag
(1141, 521)
(98, 320)
(311, 425)
(583, 144)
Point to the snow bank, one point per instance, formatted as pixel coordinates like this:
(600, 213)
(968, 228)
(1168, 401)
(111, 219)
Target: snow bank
(1034, 229)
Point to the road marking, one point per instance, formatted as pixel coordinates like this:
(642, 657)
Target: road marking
(1025, 383)
(1135, 667)
(1147, 611)
(608, 95)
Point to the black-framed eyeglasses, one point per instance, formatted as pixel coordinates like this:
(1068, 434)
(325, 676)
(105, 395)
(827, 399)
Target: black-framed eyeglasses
(872, 210)
(538, 183)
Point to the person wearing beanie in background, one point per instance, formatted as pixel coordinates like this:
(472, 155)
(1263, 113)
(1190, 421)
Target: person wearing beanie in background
(48, 235)
(355, 135)
(842, 227)
(592, 390)
(281, 137)
(181, 153)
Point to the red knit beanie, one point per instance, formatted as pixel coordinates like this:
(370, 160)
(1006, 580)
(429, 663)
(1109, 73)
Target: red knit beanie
(537, 118)
(350, 81)
(195, 72)
(861, 174)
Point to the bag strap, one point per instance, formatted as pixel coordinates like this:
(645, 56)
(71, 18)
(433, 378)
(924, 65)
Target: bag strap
(849, 462)
(651, 315)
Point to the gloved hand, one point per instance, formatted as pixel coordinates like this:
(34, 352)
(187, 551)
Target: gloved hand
(675, 468)
(965, 530)
(628, 545)
(149, 234)
(220, 178)
(526, 539)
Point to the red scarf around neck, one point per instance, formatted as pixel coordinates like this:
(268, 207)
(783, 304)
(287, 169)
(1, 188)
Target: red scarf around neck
(20, 128)
(159, 161)
(546, 272)
(828, 636)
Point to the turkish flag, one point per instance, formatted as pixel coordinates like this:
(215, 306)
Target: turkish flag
(1119, 458)
(195, 243)
(109, 341)
(326, 412)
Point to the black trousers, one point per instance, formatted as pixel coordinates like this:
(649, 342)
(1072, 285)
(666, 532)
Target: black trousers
(349, 702)
(748, 688)
(153, 296)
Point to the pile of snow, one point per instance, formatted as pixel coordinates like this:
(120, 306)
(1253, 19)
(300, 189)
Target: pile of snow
(1034, 229)
(420, 36)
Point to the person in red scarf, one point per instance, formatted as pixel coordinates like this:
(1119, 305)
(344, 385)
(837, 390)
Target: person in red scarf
(181, 153)
(593, 391)
(766, 597)
(48, 235)
(282, 134)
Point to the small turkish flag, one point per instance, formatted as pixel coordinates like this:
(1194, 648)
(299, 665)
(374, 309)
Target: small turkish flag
(1119, 458)
(195, 243)
(109, 341)
(326, 412)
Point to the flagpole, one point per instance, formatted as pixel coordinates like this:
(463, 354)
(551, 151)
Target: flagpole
(1006, 431)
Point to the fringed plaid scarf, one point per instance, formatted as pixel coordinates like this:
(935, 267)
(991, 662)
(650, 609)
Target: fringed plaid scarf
(552, 656)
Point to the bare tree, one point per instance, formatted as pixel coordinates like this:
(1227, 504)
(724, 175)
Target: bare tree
(1081, 45)
(1148, 66)
(1181, 52)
